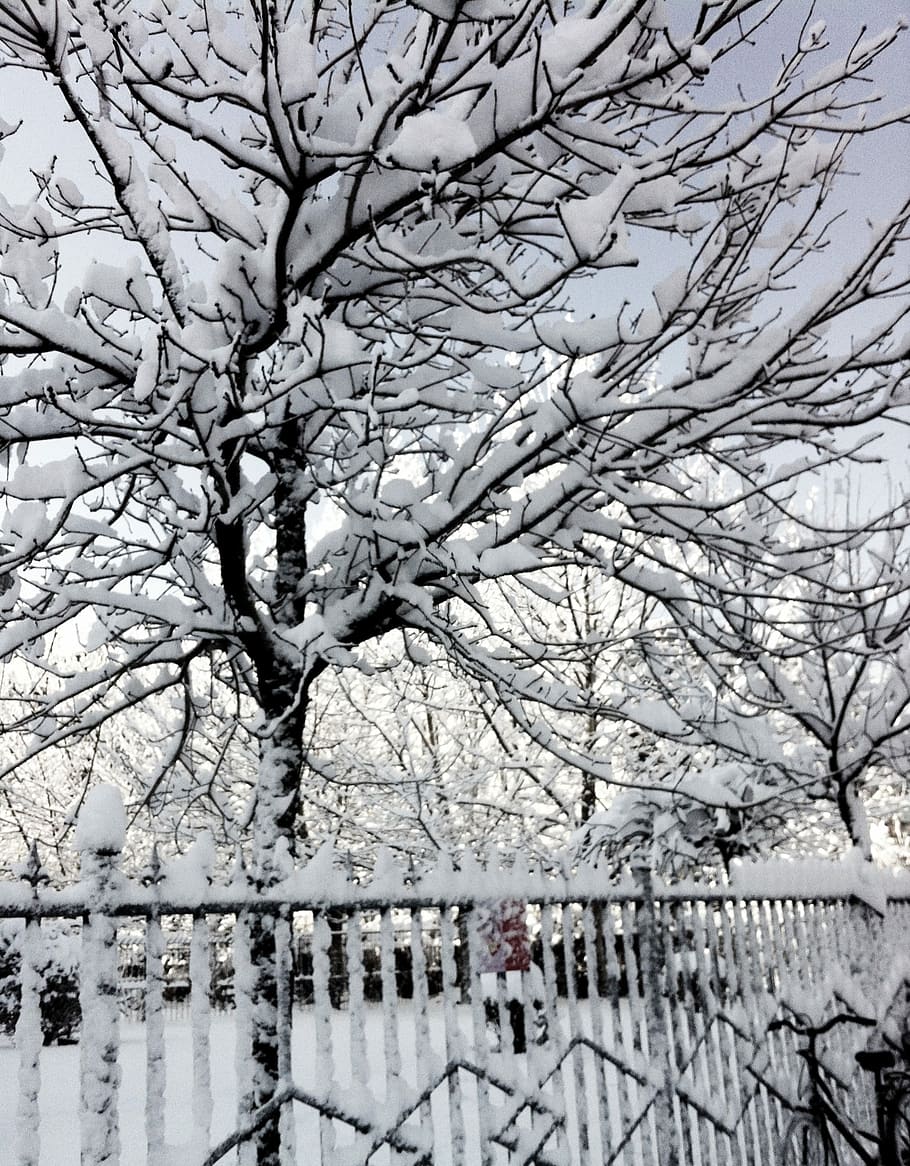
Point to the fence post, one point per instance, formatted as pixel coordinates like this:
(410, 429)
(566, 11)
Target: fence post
(200, 1025)
(652, 961)
(99, 838)
(155, 1061)
(28, 1027)
(244, 988)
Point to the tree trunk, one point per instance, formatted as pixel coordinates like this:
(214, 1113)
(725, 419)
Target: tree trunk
(853, 814)
(264, 1032)
(277, 802)
(588, 798)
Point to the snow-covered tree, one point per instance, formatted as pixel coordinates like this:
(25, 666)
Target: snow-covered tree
(286, 355)
(424, 761)
(411, 754)
(806, 676)
(688, 822)
(182, 762)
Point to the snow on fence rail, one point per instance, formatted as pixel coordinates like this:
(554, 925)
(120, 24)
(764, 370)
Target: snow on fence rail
(631, 1028)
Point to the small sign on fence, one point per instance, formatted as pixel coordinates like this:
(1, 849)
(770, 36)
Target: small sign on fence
(505, 944)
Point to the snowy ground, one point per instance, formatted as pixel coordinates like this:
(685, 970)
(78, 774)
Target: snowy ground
(59, 1096)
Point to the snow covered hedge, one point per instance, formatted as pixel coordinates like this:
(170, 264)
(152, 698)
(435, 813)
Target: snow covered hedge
(59, 969)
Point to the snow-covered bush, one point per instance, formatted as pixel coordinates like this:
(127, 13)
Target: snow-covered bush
(59, 968)
(698, 824)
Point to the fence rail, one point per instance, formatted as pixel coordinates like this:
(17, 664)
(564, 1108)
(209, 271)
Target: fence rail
(626, 1025)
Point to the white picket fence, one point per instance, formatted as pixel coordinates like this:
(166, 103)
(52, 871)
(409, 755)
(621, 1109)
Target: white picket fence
(639, 1036)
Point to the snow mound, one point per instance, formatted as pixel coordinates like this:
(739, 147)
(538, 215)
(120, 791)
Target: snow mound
(101, 826)
(432, 141)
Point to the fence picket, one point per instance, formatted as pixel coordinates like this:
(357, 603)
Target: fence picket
(155, 1059)
(708, 1033)
(421, 1002)
(730, 1017)
(624, 1105)
(801, 933)
(656, 970)
(480, 1034)
(391, 1044)
(322, 1012)
(453, 1042)
(357, 1024)
(770, 1125)
(557, 1079)
(787, 947)
(99, 1048)
(634, 1028)
(578, 1079)
(670, 1031)
(28, 1043)
(590, 932)
(200, 1019)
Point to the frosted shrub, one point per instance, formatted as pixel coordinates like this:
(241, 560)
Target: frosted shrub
(60, 1015)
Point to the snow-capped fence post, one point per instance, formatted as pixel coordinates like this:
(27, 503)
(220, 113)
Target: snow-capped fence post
(285, 970)
(99, 838)
(201, 1020)
(155, 1062)
(244, 986)
(28, 1027)
(652, 962)
(321, 942)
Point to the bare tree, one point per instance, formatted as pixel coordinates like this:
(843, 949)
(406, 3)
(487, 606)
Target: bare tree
(318, 382)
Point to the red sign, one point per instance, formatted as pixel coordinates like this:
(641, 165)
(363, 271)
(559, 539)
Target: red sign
(504, 942)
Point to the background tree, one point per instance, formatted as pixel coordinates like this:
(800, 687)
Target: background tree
(808, 676)
(422, 761)
(695, 826)
(182, 761)
(318, 383)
